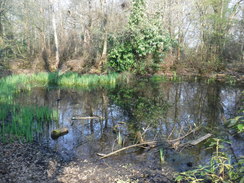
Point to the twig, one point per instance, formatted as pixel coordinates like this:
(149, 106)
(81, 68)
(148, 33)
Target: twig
(171, 132)
(184, 136)
(145, 130)
(125, 148)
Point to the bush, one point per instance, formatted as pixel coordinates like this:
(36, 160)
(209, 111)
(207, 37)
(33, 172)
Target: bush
(219, 170)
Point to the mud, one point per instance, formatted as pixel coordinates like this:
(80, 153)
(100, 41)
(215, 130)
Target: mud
(32, 163)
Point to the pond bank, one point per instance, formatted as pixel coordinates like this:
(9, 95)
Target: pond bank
(34, 163)
(230, 78)
(230, 73)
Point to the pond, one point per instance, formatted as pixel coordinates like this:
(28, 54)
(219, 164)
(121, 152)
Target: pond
(102, 120)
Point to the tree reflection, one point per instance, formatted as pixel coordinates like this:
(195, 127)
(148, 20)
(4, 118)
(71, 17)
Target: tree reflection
(143, 105)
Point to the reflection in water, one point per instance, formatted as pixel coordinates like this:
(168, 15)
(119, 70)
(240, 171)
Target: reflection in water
(155, 110)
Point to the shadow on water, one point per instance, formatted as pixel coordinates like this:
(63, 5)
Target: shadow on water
(139, 111)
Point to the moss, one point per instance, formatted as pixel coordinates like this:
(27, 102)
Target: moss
(59, 132)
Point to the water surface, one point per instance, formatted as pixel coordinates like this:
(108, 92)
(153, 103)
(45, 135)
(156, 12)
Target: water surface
(158, 110)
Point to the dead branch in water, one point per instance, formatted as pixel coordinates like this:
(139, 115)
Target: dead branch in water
(184, 136)
(176, 143)
(199, 140)
(86, 117)
(125, 148)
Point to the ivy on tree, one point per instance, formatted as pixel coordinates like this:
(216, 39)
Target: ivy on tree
(144, 46)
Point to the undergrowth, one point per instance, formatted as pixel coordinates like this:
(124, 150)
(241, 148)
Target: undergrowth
(219, 170)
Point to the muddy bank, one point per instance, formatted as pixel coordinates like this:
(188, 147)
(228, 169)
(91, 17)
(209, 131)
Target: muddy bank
(34, 163)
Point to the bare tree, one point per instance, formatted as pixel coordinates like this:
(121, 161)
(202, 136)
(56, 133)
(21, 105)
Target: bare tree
(56, 42)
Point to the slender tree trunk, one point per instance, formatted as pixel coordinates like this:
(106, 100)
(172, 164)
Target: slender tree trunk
(105, 108)
(55, 35)
(1, 27)
(1, 17)
(105, 48)
(242, 37)
(105, 35)
(170, 18)
(55, 41)
(87, 32)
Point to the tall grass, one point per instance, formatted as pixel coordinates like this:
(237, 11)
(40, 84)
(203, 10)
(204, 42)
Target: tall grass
(16, 82)
(87, 81)
(18, 121)
(23, 122)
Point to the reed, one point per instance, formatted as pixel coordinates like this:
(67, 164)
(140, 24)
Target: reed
(120, 139)
(16, 82)
(23, 122)
(87, 81)
(161, 155)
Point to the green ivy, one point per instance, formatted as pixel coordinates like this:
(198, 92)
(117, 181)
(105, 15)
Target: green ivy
(121, 58)
(144, 44)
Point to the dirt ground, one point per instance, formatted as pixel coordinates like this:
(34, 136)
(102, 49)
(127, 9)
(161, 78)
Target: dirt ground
(30, 163)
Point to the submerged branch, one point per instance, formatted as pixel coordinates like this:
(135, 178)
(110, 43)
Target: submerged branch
(184, 136)
(125, 148)
(86, 117)
(199, 140)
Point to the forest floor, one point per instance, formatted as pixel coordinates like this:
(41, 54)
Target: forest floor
(32, 163)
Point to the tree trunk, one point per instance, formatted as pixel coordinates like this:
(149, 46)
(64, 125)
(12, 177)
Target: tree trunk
(55, 35)
(105, 107)
(1, 27)
(88, 32)
(105, 48)
(242, 38)
(2, 3)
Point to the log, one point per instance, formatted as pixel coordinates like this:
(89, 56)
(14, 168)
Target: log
(59, 132)
(86, 117)
(125, 148)
(195, 142)
(221, 76)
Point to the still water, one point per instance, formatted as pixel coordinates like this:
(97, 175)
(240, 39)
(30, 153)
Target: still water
(159, 111)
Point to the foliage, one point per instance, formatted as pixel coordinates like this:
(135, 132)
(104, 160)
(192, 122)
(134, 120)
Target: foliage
(145, 44)
(122, 58)
(211, 31)
(10, 49)
(220, 170)
(237, 122)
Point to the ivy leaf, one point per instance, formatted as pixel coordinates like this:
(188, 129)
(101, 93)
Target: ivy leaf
(240, 128)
